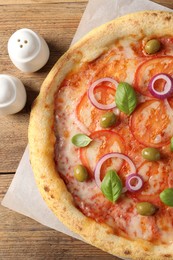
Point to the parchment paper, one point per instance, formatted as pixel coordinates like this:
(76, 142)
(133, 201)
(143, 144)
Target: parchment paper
(22, 195)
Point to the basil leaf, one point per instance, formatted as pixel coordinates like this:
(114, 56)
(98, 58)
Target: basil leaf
(171, 145)
(166, 197)
(81, 140)
(111, 186)
(125, 98)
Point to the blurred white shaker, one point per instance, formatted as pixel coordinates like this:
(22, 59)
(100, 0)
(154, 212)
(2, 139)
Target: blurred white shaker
(12, 95)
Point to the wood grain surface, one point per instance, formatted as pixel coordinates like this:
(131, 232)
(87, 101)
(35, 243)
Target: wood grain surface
(56, 21)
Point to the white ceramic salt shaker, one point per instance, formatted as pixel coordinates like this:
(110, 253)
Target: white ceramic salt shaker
(12, 95)
(28, 51)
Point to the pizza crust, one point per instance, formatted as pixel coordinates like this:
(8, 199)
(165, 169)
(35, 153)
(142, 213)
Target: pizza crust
(42, 138)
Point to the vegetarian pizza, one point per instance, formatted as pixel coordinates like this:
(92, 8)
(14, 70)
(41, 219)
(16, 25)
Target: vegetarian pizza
(101, 137)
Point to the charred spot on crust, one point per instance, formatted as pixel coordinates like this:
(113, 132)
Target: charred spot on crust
(46, 188)
(127, 252)
(52, 196)
(142, 31)
(78, 55)
(167, 255)
(154, 14)
(168, 18)
(110, 232)
(79, 227)
(46, 106)
(136, 23)
(110, 26)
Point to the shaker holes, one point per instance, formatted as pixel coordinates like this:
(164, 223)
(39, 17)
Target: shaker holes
(25, 41)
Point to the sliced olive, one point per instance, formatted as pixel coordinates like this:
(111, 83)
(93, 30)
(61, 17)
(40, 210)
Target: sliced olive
(80, 173)
(152, 46)
(108, 119)
(151, 154)
(145, 208)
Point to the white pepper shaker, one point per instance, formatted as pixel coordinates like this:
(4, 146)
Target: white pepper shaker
(28, 51)
(12, 95)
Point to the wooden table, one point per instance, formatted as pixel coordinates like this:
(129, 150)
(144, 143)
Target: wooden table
(56, 21)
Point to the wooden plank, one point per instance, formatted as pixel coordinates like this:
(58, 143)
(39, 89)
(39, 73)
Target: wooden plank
(58, 27)
(22, 237)
(23, 2)
(168, 3)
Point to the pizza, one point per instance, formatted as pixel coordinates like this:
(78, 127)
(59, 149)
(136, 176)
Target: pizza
(101, 137)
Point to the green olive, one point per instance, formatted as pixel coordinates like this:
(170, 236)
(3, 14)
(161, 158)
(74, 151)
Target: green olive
(108, 119)
(152, 46)
(151, 154)
(145, 208)
(80, 173)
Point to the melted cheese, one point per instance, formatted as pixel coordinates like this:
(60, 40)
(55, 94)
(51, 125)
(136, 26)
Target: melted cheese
(122, 215)
(146, 114)
(154, 180)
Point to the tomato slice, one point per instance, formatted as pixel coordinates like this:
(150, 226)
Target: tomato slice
(88, 114)
(156, 179)
(150, 68)
(151, 123)
(104, 142)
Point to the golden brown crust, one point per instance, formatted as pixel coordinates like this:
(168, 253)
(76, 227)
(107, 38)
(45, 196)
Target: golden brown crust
(42, 139)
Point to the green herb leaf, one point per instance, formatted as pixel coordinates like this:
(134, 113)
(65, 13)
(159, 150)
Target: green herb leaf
(125, 98)
(166, 197)
(111, 186)
(171, 145)
(81, 140)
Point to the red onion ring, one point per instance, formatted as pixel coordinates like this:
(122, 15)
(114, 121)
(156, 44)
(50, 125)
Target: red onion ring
(91, 96)
(105, 158)
(168, 89)
(139, 184)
